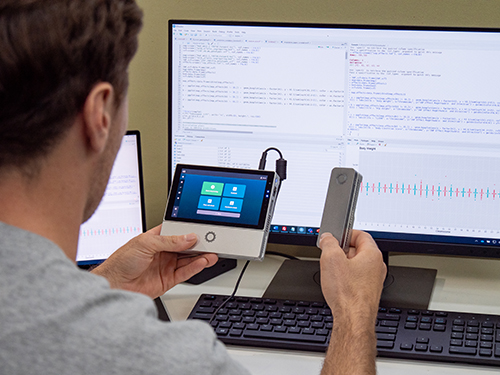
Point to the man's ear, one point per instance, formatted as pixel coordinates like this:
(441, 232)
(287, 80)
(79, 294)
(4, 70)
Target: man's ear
(98, 111)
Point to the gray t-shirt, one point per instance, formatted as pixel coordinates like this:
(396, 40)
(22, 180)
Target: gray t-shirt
(57, 319)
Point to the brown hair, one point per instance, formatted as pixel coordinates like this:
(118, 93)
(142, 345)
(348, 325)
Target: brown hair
(52, 52)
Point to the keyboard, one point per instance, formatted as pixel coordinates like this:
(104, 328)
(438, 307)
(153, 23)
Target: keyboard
(401, 333)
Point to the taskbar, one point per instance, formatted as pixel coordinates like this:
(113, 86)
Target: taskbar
(293, 229)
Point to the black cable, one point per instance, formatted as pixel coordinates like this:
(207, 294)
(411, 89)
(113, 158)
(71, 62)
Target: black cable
(281, 255)
(281, 172)
(232, 294)
(280, 163)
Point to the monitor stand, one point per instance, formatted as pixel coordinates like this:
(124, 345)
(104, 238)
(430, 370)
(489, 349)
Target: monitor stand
(223, 265)
(404, 287)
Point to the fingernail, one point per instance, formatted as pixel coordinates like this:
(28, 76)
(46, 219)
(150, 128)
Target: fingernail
(191, 237)
(323, 235)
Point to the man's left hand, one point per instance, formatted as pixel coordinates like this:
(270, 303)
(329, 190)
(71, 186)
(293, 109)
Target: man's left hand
(152, 264)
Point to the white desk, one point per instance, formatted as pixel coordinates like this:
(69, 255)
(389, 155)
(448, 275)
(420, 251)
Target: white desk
(467, 285)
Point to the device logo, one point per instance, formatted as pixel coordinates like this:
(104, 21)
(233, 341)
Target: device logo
(210, 236)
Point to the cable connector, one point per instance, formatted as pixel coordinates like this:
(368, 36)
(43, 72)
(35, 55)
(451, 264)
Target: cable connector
(281, 163)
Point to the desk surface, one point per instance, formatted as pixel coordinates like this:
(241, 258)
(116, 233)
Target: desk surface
(466, 285)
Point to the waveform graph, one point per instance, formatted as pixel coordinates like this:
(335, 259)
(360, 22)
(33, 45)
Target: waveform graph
(105, 232)
(425, 190)
(111, 231)
(429, 192)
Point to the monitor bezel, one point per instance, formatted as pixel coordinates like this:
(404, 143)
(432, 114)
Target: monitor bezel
(89, 264)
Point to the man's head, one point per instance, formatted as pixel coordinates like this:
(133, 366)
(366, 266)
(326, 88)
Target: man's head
(53, 52)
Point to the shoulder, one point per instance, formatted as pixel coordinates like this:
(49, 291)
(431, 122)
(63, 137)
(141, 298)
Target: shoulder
(55, 318)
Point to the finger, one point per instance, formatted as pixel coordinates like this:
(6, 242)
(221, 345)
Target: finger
(362, 241)
(327, 241)
(195, 266)
(156, 230)
(183, 261)
(174, 244)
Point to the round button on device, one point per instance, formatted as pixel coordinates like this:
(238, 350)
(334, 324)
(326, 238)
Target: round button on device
(341, 178)
(210, 236)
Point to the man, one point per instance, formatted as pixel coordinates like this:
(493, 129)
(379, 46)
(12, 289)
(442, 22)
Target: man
(63, 112)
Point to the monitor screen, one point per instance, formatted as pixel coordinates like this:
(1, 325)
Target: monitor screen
(120, 215)
(415, 110)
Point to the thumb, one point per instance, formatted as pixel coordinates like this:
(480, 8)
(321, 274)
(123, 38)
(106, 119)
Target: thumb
(179, 243)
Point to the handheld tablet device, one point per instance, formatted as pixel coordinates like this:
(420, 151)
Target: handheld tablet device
(229, 209)
(340, 205)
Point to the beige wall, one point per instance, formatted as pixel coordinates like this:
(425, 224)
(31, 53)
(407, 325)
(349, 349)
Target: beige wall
(148, 72)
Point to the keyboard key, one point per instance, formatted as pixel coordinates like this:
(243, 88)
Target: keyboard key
(471, 344)
(436, 348)
(202, 316)
(485, 352)
(208, 310)
(268, 301)
(386, 336)
(393, 317)
(411, 325)
(385, 344)
(386, 330)
(308, 331)
(425, 326)
(460, 350)
(421, 347)
(472, 330)
(486, 331)
(222, 331)
(471, 336)
(285, 336)
(406, 346)
(235, 332)
(388, 323)
(439, 327)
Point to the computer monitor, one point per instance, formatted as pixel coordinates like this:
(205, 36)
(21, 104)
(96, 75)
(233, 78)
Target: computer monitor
(121, 214)
(416, 110)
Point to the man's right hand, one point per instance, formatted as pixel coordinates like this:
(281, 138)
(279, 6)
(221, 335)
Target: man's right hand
(352, 284)
(351, 281)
